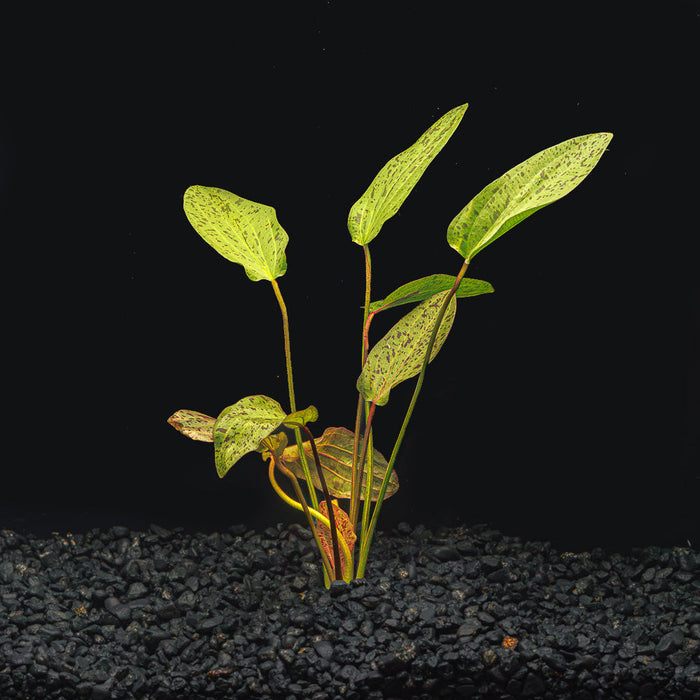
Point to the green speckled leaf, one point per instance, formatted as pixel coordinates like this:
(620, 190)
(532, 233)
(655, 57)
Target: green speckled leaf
(398, 177)
(540, 180)
(195, 425)
(399, 354)
(240, 428)
(424, 288)
(335, 449)
(308, 415)
(242, 231)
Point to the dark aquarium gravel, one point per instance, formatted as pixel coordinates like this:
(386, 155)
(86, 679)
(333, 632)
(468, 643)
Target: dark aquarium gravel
(456, 613)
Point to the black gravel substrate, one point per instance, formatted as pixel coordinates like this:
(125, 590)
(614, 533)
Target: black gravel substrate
(459, 613)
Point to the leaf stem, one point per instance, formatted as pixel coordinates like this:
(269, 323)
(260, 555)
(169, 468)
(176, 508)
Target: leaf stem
(301, 505)
(369, 459)
(368, 296)
(367, 539)
(290, 385)
(309, 512)
(357, 469)
(329, 503)
(287, 344)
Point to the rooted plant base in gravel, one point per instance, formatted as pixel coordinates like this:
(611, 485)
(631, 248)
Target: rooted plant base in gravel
(463, 612)
(343, 463)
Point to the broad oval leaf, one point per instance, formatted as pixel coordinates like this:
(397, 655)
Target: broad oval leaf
(398, 177)
(195, 425)
(244, 232)
(335, 448)
(540, 180)
(400, 353)
(426, 287)
(240, 428)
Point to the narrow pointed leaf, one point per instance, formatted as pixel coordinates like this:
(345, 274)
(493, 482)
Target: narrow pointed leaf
(398, 177)
(335, 448)
(426, 287)
(195, 425)
(540, 180)
(400, 353)
(244, 232)
(240, 428)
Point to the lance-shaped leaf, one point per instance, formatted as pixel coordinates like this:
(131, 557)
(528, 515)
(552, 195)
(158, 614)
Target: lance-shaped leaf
(344, 526)
(195, 425)
(242, 231)
(426, 287)
(240, 428)
(540, 180)
(398, 177)
(335, 449)
(400, 353)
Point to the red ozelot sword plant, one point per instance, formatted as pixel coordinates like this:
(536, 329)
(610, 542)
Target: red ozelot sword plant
(344, 464)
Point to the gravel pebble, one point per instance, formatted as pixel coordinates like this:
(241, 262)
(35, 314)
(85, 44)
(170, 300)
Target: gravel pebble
(462, 612)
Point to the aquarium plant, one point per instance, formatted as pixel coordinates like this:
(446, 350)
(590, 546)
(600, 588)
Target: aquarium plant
(341, 463)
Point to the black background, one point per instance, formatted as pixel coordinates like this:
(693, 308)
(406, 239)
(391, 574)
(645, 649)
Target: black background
(563, 407)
